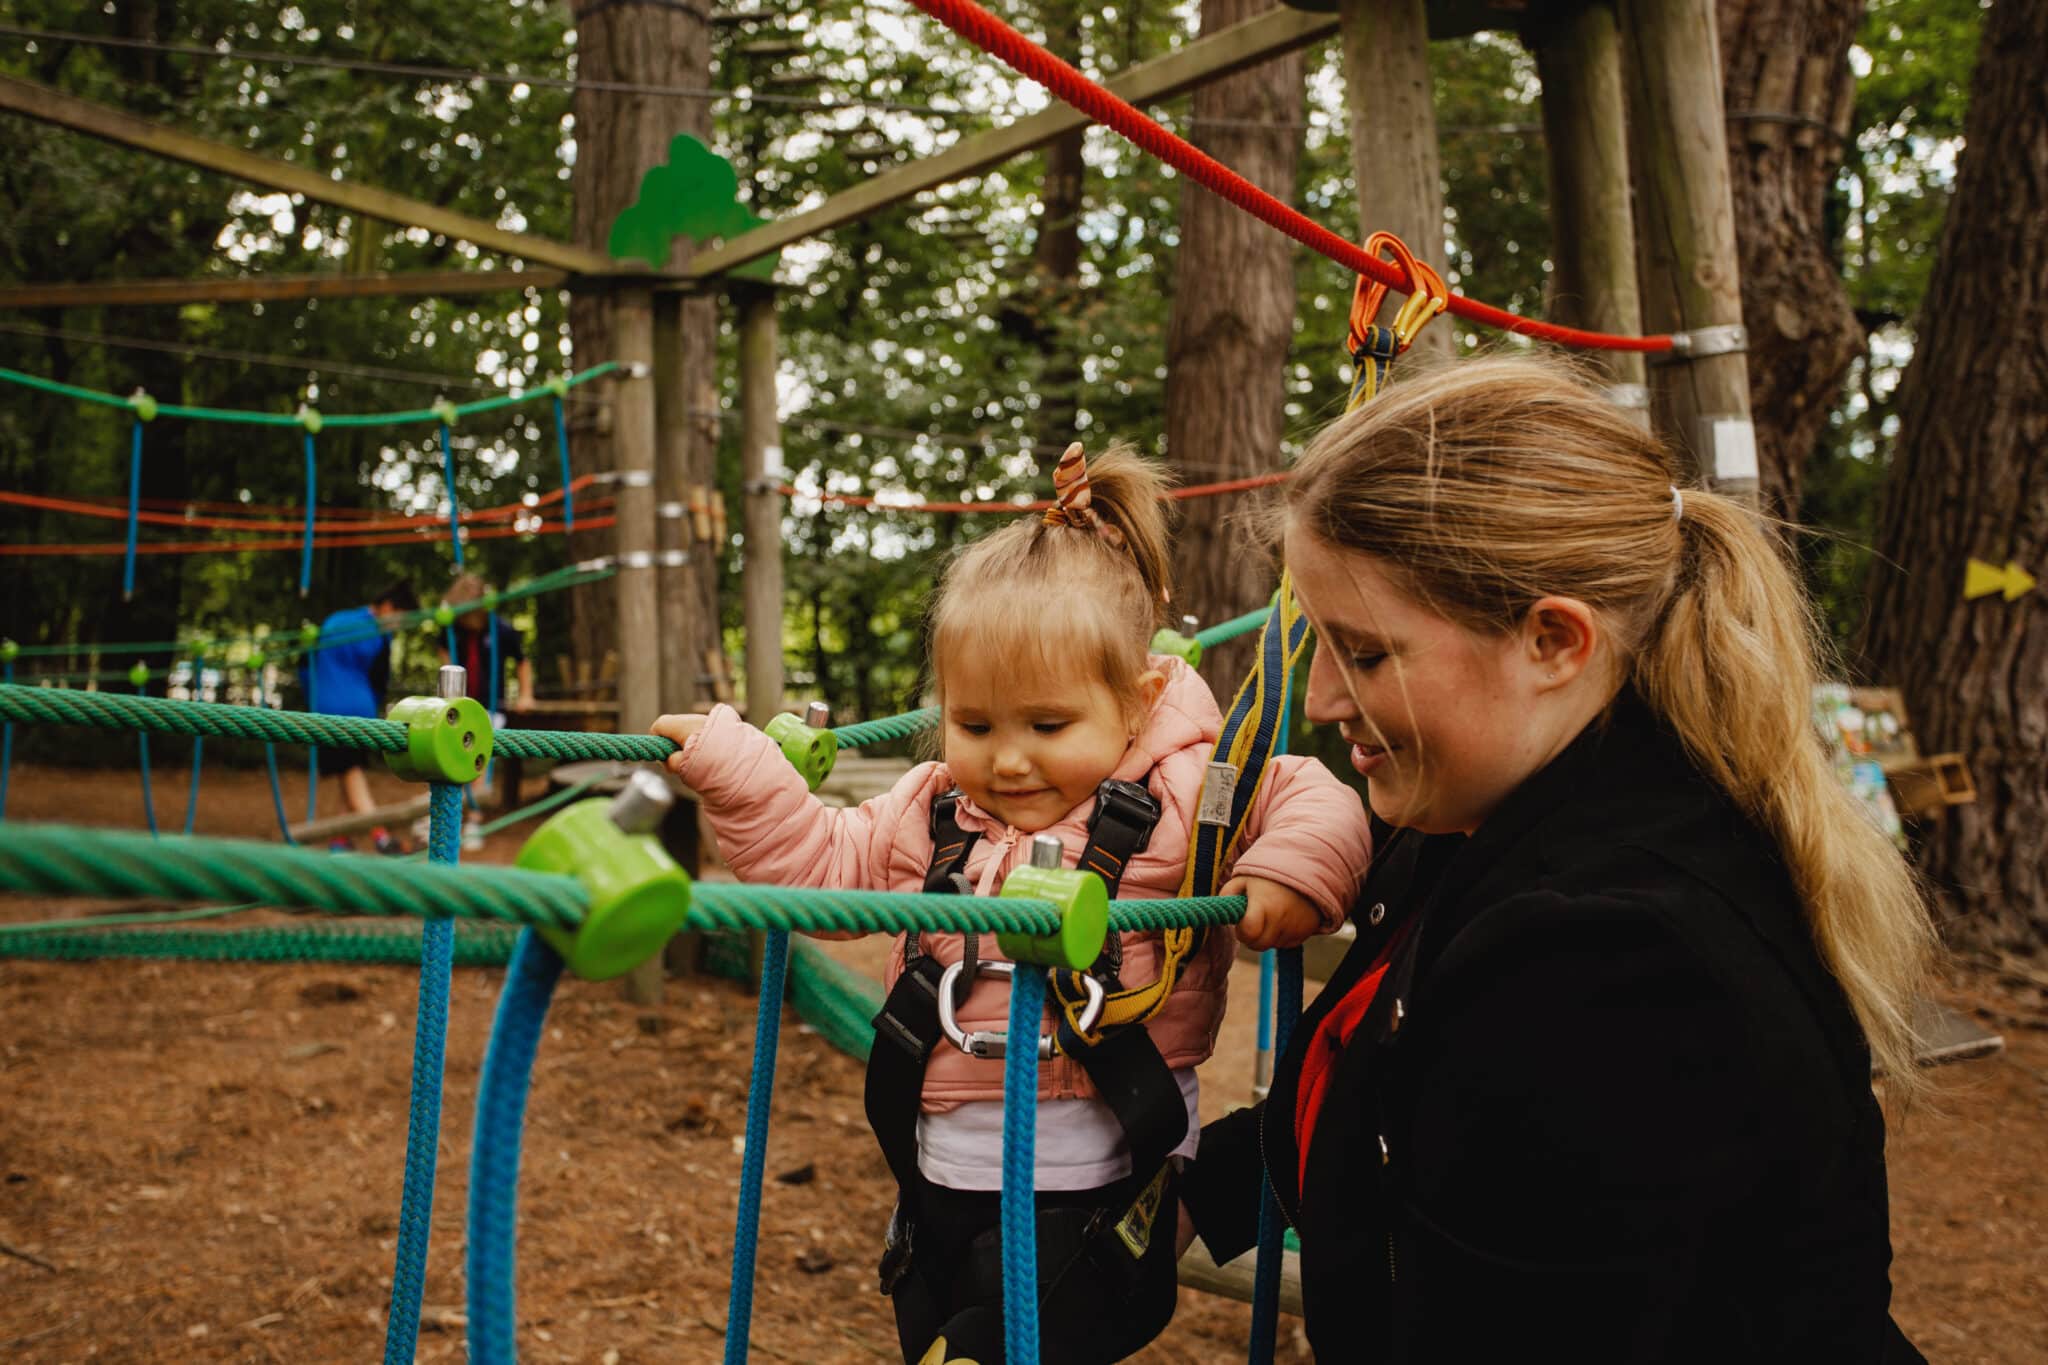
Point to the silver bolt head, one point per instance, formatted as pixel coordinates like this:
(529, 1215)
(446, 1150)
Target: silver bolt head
(1047, 851)
(453, 682)
(817, 715)
(642, 803)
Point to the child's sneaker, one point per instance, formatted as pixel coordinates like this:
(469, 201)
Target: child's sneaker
(386, 845)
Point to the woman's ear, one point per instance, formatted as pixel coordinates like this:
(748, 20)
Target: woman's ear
(1561, 639)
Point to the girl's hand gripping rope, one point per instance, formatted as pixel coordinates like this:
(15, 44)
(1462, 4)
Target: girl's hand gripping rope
(1275, 916)
(678, 730)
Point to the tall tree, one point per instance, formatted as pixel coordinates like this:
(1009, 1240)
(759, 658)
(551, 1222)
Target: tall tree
(1789, 92)
(1968, 482)
(1232, 323)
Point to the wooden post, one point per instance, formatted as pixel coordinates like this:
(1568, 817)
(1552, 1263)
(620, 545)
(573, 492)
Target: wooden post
(1585, 134)
(632, 331)
(1393, 136)
(1686, 231)
(671, 508)
(761, 452)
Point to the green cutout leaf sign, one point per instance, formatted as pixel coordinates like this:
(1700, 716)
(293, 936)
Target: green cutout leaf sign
(694, 194)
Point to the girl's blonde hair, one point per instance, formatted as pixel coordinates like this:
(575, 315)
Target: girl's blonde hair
(1055, 600)
(1487, 485)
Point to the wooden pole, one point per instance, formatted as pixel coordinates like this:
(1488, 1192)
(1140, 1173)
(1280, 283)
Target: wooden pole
(761, 452)
(1686, 230)
(1393, 137)
(632, 332)
(1593, 245)
(376, 284)
(677, 658)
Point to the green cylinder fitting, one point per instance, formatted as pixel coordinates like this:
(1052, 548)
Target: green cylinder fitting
(310, 419)
(444, 615)
(558, 385)
(256, 661)
(309, 635)
(811, 752)
(142, 405)
(639, 898)
(447, 740)
(444, 411)
(1167, 640)
(9, 651)
(1084, 917)
(139, 674)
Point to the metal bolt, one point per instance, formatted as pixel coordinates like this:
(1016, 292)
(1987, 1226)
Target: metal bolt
(1047, 851)
(817, 715)
(642, 803)
(1189, 625)
(453, 682)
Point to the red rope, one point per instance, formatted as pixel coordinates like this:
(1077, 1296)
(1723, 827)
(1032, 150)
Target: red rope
(992, 35)
(197, 547)
(344, 522)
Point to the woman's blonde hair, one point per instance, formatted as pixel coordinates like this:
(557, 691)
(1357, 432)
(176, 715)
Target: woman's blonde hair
(1053, 599)
(1489, 484)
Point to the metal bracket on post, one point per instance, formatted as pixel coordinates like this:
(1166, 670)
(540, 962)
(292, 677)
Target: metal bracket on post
(1629, 397)
(1727, 448)
(1728, 338)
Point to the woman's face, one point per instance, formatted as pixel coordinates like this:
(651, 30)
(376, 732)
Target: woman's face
(1443, 722)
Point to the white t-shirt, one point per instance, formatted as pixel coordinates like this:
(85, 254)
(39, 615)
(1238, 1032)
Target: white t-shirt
(1080, 1144)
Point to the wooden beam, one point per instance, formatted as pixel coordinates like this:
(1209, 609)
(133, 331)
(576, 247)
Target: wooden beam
(253, 288)
(115, 125)
(760, 467)
(355, 822)
(1204, 60)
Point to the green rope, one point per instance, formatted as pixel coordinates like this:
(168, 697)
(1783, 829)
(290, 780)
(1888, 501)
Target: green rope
(1231, 629)
(723, 905)
(1127, 917)
(119, 711)
(887, 728)
(54, 859)
(476, 945)
(115, 921)
(287, 419)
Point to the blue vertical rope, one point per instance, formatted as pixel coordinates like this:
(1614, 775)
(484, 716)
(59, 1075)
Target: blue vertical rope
(423, 1125)
(491, 702)
(1020, 1167)
(142, 750)
(454, 507)
(6, 741)
(746, 1229)
(134, 506)
(284, 824)
(494, 1154)
(192, 788)
(562, 445)
(306, 549)
(1266, 1271)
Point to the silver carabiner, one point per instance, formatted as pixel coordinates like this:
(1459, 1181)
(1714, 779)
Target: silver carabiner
(993, 1042)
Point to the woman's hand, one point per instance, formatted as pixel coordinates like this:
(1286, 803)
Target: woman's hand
(1275, 916)
(678, 729)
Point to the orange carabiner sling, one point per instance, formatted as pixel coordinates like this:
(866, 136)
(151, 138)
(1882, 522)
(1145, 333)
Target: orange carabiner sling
(1373, 348)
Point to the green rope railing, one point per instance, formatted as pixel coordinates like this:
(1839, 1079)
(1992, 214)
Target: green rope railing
(476, 945)
(59, 860)
(1234, 627)
(886, 728)
(292, 419)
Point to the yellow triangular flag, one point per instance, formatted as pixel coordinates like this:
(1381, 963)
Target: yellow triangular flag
(1981, 579)
(2018, 582)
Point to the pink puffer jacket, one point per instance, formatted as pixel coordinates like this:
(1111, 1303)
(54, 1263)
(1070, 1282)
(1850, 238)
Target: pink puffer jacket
(1306, 830)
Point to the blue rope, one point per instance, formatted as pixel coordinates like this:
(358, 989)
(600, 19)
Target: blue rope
(423, 1126)
(192, 790)
(306, 548)
(284, 826)
(142, 748)
(746, 1230)
(494, 1153)
(1020, 1167)
(6, 741)
(562, 444)
(491, 704)
(454, 510)
(134, 506)
(1266, 1272)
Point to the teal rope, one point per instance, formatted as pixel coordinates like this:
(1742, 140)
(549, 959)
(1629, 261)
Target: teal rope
(276, 419)
(1019, 1209)
(1231, 629)
(887, 728)
(476, 945)
(746, 1226)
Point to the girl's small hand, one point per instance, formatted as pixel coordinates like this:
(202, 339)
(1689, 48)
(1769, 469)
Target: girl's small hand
(1275, 916)
(678, 729)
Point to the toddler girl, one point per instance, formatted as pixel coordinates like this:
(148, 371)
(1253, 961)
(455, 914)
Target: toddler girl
(1054, 720)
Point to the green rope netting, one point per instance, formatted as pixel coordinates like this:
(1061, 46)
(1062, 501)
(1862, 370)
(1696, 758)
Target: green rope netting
(476, 945)
(292, 419)
(887, 728)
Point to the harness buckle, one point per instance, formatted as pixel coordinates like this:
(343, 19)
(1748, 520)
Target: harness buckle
(994, 1043)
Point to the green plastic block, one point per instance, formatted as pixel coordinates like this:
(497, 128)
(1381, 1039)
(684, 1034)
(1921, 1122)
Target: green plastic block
(143, 406)
(444, 615)
(1084, 917)
(445, 411)
(309, 636)
(256, 660)
(446, 741)
(639, 898)
(558, 385)
(9, 651)
(1167, 640)
(310, 419)
(810, 751)
(139, 674)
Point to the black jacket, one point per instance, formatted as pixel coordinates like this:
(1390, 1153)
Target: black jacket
(1607, 1105)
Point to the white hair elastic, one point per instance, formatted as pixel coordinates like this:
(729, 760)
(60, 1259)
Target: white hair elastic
(1677, 504)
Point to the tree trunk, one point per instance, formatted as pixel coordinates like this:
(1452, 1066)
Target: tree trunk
(1789, 60)
(1227, 342)
(620, 136)
(1967, 480)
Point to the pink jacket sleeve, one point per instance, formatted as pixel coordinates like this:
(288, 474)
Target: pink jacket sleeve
(1308, 832)
(769, 827)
